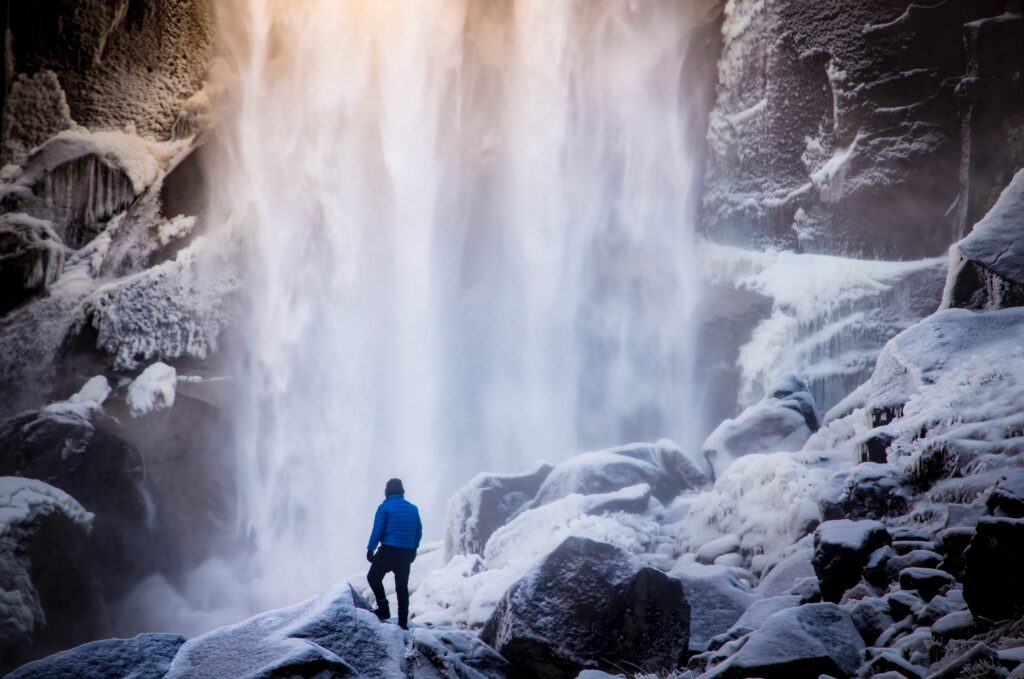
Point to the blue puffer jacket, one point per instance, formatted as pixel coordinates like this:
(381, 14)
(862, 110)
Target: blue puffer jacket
(396, 524)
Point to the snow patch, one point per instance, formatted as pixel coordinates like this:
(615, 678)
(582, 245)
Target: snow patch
(153, 390)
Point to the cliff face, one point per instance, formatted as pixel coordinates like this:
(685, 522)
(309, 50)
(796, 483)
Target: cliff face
(867, 129)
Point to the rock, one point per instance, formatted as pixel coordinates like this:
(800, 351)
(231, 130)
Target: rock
(986, 269)
(31, 258)
(781, 422)
(1007, 498)
(841, 550)
(889, 661)
(752, 618)
(717, 599)
(936, 609)
(144, 656)
(918, 558)
(662, 466)
(331, 635)
(590, 605)
(956, 625)
(808, 589)
(485, 504)
(871, 617)
(43, 539)
(952, 543)
(710, 551)
(877, 571)
(903, 603)
(904, 547)
(868, 491)
(784, 575)
(805, 641)
(927, 581)
(993, 580)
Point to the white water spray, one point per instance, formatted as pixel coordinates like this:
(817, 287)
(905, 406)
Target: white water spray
(469, 231)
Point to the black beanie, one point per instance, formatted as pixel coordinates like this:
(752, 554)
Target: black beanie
(394, 487)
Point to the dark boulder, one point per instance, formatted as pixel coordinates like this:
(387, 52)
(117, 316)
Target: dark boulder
(927, 581)
(841, 551)
(587, 605)
(993, 578)
(146, 656)
(484, 505)
(806, 641)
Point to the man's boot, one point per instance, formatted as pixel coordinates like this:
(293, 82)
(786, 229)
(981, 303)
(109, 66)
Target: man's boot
(403, 619)
(383, 610)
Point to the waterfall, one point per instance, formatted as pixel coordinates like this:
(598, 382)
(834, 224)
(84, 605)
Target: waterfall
(468, 231)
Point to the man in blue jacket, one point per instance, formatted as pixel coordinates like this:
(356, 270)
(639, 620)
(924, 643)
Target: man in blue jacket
(397, 528)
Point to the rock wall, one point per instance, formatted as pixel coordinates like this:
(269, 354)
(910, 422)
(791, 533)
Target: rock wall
(869, 129)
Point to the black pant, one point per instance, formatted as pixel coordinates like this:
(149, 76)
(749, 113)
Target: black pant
(392, 560)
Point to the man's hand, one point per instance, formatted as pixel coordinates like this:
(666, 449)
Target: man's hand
(369, 555)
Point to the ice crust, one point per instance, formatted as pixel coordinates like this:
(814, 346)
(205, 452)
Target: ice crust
(153, 390)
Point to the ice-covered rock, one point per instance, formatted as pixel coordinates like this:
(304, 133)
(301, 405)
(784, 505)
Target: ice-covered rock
(781, 422)
(175, 309)
(32, 511)
(1007, 498)
(31, 258)
(781, 578)
(153, 389)
(662, 466)
(993, 578)
(717, 599)
(841, 551)
(805, 641)
(142, 657)
(331, 634)
(986, 269)
(867, 491)
(485, 504)
(590, 604)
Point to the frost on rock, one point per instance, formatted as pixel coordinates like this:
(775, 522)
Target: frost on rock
(830, 315)
(31, 258)
(153, 390)
(333, 634)
(35, 110)
(175, 309)
(146, 655)
(27, 507)
(986, 269)
(717, 599)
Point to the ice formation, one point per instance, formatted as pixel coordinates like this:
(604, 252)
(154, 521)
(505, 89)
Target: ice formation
(153, 389)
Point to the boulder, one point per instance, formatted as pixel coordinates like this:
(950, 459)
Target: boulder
(868, 491)
(752, 618)
(993, 579)
(927, 581)
(871, 617)
(781, 578)
(781, 422)
(142, 657)
(485, 504)
(43, 544)
(841, 551)
(1007, 498)
(662, 466)
(986, 269)
(717, 599)
(590, 605)
(332, 635)
(805, 641)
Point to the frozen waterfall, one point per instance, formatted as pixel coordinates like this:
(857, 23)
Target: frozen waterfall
(469, 238)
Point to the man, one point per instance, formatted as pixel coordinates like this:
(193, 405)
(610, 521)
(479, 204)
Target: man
(397, 528)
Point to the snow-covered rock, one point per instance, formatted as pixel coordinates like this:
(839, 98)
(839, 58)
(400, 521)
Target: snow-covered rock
(781, 422)
(153, 389)
(841, 551)
(29, 508)
(586, 605)
(805, 641)
(485, 504)
(786, 573)
(333, 633)
(986, 269)
(145, 656)
(867, 491)
(662, 466)
(717, 599)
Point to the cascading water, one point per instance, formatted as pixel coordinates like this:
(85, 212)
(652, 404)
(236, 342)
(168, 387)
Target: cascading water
(469, 237)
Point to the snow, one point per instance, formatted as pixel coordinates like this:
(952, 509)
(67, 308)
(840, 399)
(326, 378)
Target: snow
(95, 391)
(24, 503)
(710, 551)
(175, 228)
(153, 390)
(854, 535)
(764, 427)
(828, 179)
